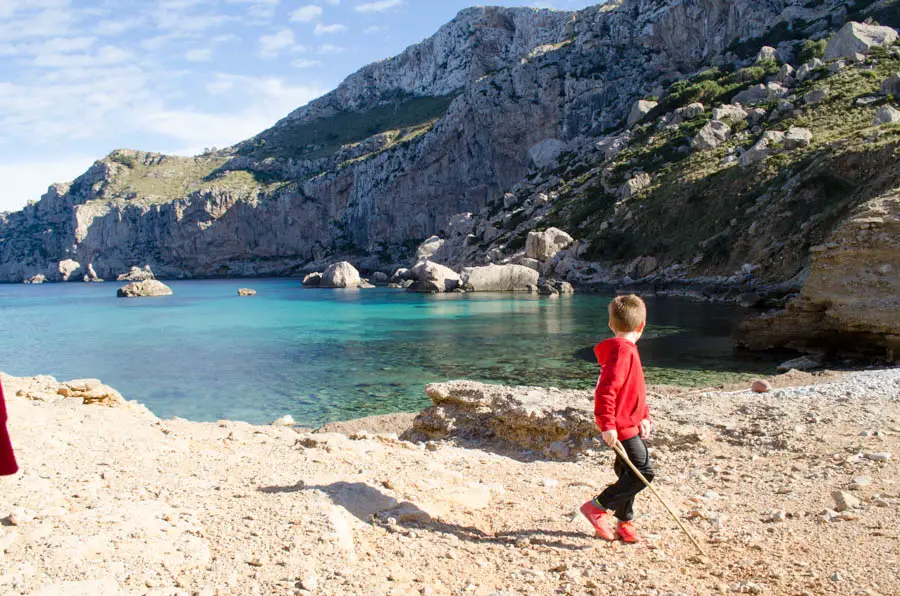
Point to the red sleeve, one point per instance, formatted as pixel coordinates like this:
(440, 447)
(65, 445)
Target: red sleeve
(612, 375)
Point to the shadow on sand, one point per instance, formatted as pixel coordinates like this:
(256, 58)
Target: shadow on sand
(371, 506)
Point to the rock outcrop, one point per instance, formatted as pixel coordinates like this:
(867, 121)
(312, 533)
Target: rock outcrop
(499, 278)
(543, 246)
(851, 301)
(341, 275)
(858, 37)
(551, 421)
(137, 274)
(246, 292)
(433, 278)
(147, 288)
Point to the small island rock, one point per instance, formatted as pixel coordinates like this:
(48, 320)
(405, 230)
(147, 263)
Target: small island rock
(139, 289)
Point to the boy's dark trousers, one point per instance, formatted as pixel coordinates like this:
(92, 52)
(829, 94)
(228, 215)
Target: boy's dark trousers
(619, 496)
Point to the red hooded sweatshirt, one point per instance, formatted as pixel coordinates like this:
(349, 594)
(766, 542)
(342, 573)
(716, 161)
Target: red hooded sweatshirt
(7, 458)
(620, 399)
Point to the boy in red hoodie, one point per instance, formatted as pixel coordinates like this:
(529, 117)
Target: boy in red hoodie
(7, 458)
(621, 413)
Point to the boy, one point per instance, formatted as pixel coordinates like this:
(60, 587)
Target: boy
(621, 413)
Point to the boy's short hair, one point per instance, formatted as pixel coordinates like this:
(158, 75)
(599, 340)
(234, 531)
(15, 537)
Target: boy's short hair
(627, 313)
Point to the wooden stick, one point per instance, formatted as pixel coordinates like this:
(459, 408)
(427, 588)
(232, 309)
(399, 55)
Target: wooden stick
(621, 451)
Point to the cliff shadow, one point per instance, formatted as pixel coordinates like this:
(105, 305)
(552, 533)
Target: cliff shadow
(373, 507)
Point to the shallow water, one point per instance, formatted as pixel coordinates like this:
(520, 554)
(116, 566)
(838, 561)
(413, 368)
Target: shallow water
(323, 355)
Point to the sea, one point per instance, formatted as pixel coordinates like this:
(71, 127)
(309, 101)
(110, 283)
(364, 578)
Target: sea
(324, 355)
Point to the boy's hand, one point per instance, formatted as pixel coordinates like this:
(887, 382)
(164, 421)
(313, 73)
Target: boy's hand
(646, 428)
(610, 437)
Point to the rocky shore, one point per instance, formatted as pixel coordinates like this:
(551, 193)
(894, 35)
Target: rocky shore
(794, 491)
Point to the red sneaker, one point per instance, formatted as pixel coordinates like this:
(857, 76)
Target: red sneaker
(626, 532)
(599, 518)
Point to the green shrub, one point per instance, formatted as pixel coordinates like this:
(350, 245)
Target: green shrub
(811, 49)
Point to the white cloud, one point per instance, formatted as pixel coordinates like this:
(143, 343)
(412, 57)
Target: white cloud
(329, 29)
(379, 5)
(307, 13)
(272, 45)
(198, 55)
(328, 49)
(304, 63)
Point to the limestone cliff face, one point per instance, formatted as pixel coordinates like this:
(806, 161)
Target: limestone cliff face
(851, 300)
(393, 153)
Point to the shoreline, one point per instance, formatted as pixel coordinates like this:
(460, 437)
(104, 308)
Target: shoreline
(778, 486)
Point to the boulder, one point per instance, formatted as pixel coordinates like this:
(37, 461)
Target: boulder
(891, 86)
(635, 185)
(244, 292)
(400, 275)
(546, 152)
(341, 275)
(807, 69)
(379, 277)
(141, 289)
(313, 280)
(785, 74)
(756, 116)
(530, 263)
(429, 247)
(886, 115)
(760, 94)
(815, 96)
(286, 421)
(543, 246)
(688, 112)
(433, 278)
(761, 149)
(858, 37)
(642, 267)
(640, 109)
(766, 53)
(35, 279)
(137, 274)
(498, 278)
(729, 113)
(797, 137)
(713, 134)
(68, 269)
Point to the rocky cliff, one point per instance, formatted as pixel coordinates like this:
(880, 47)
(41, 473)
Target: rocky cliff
(696, 143)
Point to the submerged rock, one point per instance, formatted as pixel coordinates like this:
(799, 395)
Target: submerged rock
(140, 289)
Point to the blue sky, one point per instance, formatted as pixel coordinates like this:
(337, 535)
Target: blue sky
(79, 78)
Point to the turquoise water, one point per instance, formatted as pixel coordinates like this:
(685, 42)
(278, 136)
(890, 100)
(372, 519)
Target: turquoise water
(323, 355)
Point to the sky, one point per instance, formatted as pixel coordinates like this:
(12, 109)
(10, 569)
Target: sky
(79, 78)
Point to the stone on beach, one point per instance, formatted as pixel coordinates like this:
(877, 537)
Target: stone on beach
(147, 288)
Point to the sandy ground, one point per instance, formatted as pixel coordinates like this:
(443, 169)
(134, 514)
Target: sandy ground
(111, 500)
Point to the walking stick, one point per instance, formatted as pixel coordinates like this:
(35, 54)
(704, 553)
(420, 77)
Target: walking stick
(621, 451)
